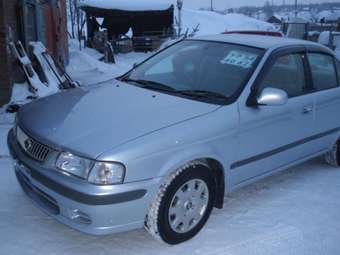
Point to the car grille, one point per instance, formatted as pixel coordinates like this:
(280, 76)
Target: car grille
(31, 147)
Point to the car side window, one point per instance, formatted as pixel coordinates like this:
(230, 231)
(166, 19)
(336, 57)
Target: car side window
(287, 73)
(323, 71)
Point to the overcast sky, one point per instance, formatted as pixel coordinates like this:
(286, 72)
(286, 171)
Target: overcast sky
(223, 4)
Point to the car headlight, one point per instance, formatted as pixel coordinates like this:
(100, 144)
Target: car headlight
(99, 173)
(105, 173)
(74, 165)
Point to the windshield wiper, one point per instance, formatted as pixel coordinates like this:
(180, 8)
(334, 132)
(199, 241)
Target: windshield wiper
(151, 85)
(190, 93)
(203, 94)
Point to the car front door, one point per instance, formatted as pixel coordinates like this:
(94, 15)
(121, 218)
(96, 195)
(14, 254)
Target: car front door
(326, 84)
(274, 136)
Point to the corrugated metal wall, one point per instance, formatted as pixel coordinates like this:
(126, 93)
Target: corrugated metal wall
(8, 29)
(30, 20)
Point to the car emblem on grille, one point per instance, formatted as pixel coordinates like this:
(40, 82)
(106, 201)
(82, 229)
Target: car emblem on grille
(28, 144)
(32, 148)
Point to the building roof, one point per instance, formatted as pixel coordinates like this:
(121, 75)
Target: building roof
(274, 19)
(128, 5)
(329, 15)
(298, 20)
(258, 41)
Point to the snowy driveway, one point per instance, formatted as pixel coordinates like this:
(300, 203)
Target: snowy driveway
(295, 212)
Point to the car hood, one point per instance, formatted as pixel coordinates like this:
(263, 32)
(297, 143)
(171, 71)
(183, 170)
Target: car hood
(91, 121)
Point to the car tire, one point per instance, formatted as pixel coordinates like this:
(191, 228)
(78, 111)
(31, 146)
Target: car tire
(333, 156)
(183, 204)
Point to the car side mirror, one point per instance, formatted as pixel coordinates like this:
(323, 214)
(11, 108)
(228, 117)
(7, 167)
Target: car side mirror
(272, 97)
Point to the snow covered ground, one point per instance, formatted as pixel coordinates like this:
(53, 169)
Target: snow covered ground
(85, 66)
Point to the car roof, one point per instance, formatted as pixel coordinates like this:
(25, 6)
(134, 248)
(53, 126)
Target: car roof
(260, 41)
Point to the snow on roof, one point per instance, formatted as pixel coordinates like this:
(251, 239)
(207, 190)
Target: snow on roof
(329, 15)
(306, 15)
(215, 23)
(128, 5)
(278, 16)
(298, 20)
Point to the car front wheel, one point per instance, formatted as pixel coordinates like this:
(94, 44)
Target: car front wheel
(183, 204)
(333, 156)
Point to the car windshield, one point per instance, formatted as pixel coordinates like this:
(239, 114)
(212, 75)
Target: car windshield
(199, 69)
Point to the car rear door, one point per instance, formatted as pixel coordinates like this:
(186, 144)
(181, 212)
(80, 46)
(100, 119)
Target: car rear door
(274, 136)
(326, 84)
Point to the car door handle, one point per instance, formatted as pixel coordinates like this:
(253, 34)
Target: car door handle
(307, 109)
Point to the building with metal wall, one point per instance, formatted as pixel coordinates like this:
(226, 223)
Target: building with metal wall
(30, 20)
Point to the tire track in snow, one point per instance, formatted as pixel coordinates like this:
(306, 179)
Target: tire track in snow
(270, 242)
(4, 153)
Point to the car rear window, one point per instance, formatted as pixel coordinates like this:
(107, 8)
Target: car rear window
(323, 71)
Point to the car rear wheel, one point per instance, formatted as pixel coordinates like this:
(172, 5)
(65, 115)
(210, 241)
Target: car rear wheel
(333, 156)
(183, 204)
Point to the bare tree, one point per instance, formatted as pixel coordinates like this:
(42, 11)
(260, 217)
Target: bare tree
(77, 20)
(71, 15)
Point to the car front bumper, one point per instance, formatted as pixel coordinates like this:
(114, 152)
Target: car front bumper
(96, 210)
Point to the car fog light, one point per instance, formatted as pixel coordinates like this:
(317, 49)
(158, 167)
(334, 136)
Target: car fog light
(80, 217)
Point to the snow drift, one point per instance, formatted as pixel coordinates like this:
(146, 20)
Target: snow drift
(215, 23)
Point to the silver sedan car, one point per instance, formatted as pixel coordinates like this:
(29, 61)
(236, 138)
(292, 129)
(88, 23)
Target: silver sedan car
(161, 146)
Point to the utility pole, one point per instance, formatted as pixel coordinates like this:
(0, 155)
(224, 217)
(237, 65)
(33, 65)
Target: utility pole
(211, 5)
(296, 5)
(273, 6)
